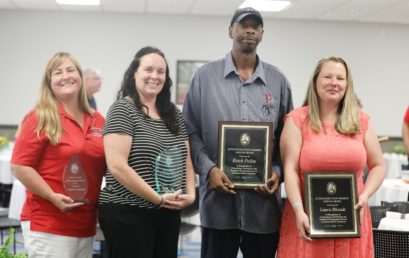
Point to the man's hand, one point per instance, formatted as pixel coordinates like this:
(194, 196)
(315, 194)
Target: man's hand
(219, 181)
(270, 187)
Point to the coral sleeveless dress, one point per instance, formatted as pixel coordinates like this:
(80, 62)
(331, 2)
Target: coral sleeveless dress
(329, 151)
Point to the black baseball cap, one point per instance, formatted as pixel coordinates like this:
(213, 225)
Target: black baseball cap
(242, 13)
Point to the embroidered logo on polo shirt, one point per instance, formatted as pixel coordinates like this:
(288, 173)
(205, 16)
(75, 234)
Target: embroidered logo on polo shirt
(268, 104)
(95, 131)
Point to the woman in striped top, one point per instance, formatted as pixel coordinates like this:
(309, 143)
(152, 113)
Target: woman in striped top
(150, 175)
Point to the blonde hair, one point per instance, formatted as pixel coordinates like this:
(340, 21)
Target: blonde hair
(348, 109)
(47, 103)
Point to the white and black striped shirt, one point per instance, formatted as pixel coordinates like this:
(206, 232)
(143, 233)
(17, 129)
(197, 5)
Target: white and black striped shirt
(150, 137)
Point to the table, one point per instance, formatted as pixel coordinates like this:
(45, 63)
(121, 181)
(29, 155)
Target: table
(393, 164)
(394, 224)
(17, 199)
(6, 177)
(391, 190)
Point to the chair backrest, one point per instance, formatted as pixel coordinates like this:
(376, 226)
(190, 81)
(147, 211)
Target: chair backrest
(377, 213)
(402, 207)
(391, 244)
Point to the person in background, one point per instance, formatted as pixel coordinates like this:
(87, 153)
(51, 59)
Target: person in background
(61, 127)
(93, 82)
(405, 131)
(328, 133)
(239, 87)
(137, 218)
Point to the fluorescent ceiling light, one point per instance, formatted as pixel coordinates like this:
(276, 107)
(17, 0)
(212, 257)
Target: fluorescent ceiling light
(266, 5)
(78, 2)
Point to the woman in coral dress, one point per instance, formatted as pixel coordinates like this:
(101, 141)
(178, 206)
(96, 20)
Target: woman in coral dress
(329, 133)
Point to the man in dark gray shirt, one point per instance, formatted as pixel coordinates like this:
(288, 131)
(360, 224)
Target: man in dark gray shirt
(239, 87)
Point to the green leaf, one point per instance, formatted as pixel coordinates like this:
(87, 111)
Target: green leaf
(4, 250)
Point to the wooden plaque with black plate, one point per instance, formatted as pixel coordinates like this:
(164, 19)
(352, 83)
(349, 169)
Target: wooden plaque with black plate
(330, 198)
(245, 152)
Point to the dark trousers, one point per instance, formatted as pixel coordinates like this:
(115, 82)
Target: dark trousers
(226, 243)
(141, 233)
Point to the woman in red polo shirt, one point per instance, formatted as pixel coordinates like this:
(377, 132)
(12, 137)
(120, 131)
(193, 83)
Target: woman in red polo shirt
(59, 157)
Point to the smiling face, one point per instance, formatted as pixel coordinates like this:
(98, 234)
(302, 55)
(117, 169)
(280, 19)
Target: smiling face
(246, 34)
(150, 76)
(331, 82)
(66, 81)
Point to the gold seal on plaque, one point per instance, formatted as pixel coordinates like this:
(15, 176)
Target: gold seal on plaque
(245, 139)
(331, 188)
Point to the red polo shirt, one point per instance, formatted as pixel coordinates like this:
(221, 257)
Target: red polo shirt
(50, 160)
(406, 118)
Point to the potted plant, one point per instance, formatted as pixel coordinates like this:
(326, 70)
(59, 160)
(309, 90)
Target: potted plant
(4, 142)
(4, 250)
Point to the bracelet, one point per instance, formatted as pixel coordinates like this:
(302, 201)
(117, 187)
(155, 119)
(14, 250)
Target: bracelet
(297, 205)
(161, 201)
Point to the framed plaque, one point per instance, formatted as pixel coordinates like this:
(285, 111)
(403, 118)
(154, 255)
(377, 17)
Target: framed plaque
(184, 72)
(245, 152)
(330, 198)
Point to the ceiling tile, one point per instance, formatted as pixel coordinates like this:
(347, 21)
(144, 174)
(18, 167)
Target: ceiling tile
(398, 13)
(6, 4)
(36, 5)
(383, 11)
(356, 10)
(169, 6)
(215, 7)
(309, 9)
(137, 6)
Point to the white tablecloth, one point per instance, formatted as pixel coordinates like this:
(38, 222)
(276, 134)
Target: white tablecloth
(393, 164)
(5, 172)
(17, 198)
(394, 224)
(391, 190)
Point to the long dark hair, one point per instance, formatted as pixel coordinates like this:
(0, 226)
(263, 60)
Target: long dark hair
(167, 110)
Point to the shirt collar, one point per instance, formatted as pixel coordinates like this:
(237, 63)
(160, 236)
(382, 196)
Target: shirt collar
(87, 118)
(229, 67)
(60, 109)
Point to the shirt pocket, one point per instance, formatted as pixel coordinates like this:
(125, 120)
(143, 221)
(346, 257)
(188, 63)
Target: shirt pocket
(270, 111)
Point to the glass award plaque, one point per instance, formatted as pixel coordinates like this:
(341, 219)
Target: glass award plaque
(330, 198)
(168, 169)
(75, 180)
(245, 152)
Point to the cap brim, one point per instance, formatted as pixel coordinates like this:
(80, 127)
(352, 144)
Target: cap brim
(245, 15)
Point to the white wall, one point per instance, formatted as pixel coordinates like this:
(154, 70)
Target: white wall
(377, 53)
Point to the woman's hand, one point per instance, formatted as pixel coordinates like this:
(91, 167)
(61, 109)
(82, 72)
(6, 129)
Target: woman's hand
(362, 203)
(303, 225)
(63, 202)
(177, 201)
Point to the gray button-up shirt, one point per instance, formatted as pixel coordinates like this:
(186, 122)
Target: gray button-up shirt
(217, 93)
